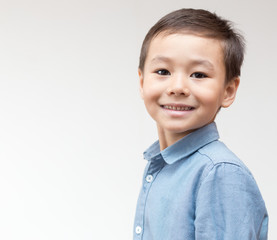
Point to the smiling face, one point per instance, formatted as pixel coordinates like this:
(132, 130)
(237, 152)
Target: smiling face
(183, 83)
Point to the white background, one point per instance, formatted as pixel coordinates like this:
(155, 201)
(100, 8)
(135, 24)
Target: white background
(73, 127)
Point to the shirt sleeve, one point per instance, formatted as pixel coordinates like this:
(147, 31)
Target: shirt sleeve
(229, 206)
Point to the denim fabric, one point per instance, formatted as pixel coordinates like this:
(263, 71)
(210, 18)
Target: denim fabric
(198, 189)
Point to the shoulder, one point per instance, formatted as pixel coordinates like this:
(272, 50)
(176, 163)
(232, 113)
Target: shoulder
(223, 166)
(217, 153)
(225, 173)
(228, 197)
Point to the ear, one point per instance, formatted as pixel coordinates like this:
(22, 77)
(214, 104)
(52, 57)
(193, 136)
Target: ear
(230, 92)
(140, 82)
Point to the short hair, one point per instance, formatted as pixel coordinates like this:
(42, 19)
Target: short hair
(202, 23)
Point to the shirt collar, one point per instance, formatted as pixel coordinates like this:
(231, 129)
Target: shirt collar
(185, 146)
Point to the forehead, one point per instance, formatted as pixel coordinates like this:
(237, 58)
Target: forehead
(184, 47)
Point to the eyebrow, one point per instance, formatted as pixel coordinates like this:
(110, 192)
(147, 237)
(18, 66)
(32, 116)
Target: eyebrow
(160, 59)
(205, 63)
(192, 63)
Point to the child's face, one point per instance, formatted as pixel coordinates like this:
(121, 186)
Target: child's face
(183, 82)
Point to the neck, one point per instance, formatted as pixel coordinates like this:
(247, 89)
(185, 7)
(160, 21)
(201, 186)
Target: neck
(166, 139)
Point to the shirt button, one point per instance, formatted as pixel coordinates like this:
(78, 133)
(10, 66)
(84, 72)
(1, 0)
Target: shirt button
(138, 229)
(149, 178)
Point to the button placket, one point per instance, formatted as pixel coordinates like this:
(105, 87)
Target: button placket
(153, 169)
(138, 230)
(149, 178)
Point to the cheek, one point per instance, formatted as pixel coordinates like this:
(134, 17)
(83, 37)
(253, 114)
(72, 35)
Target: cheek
(151, 91)
(152, 95)
(210, 97)
(149, 97)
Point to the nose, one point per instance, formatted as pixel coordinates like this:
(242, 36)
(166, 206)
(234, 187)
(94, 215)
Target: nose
(178, 86)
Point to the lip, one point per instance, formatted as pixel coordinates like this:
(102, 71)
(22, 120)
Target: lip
(172, 106)
(177, 109)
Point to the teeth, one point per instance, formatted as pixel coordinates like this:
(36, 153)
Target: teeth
(177, 108)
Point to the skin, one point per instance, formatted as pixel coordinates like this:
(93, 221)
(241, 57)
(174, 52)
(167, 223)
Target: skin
(183, 84)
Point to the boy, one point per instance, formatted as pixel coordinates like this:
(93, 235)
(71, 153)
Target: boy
(194, 187)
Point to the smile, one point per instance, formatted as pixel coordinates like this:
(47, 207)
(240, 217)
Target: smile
(177, 108)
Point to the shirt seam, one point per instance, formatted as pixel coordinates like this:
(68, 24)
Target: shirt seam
(213, 164)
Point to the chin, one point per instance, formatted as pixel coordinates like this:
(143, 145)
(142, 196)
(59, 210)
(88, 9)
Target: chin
(180, 130)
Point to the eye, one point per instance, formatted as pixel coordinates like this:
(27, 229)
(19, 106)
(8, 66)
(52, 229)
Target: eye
(198, 75)
(163, 72)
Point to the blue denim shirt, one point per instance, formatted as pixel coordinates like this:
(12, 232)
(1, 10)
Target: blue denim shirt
(198, 189)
